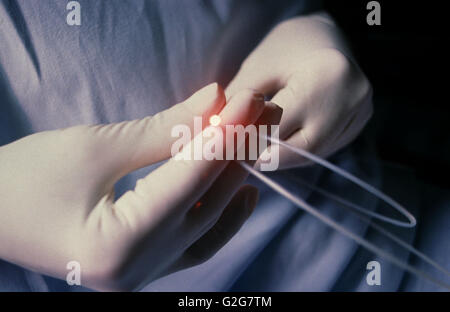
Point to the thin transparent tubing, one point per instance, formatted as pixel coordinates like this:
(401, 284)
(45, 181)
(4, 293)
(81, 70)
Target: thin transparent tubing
(359, 182)
(351, 206)
(330, 222)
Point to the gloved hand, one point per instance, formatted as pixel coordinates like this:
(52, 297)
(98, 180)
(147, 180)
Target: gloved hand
(57, 196)
(304, 64)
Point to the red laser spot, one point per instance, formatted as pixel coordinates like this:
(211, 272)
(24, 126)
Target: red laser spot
(198, 205)
(215, 120)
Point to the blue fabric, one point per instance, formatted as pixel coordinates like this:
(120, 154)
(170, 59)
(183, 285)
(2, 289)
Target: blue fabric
(130, 59)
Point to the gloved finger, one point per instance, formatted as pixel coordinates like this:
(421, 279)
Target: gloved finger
(210, 206)
(263, 80)
(289, 159)
(326, 136)
(135, 144)
(178, 184)
(231, 220)
(304, 124)
(317, 138)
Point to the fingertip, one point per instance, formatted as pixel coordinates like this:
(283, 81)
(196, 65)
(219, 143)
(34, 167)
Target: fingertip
(244, 107)
(208, 100)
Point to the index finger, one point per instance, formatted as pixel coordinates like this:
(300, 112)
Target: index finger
(178, 184)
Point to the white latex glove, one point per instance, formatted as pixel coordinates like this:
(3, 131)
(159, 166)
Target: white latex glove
(326, 99)
(57, 202)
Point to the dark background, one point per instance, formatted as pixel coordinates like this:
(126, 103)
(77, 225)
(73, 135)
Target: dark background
(407, 64)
